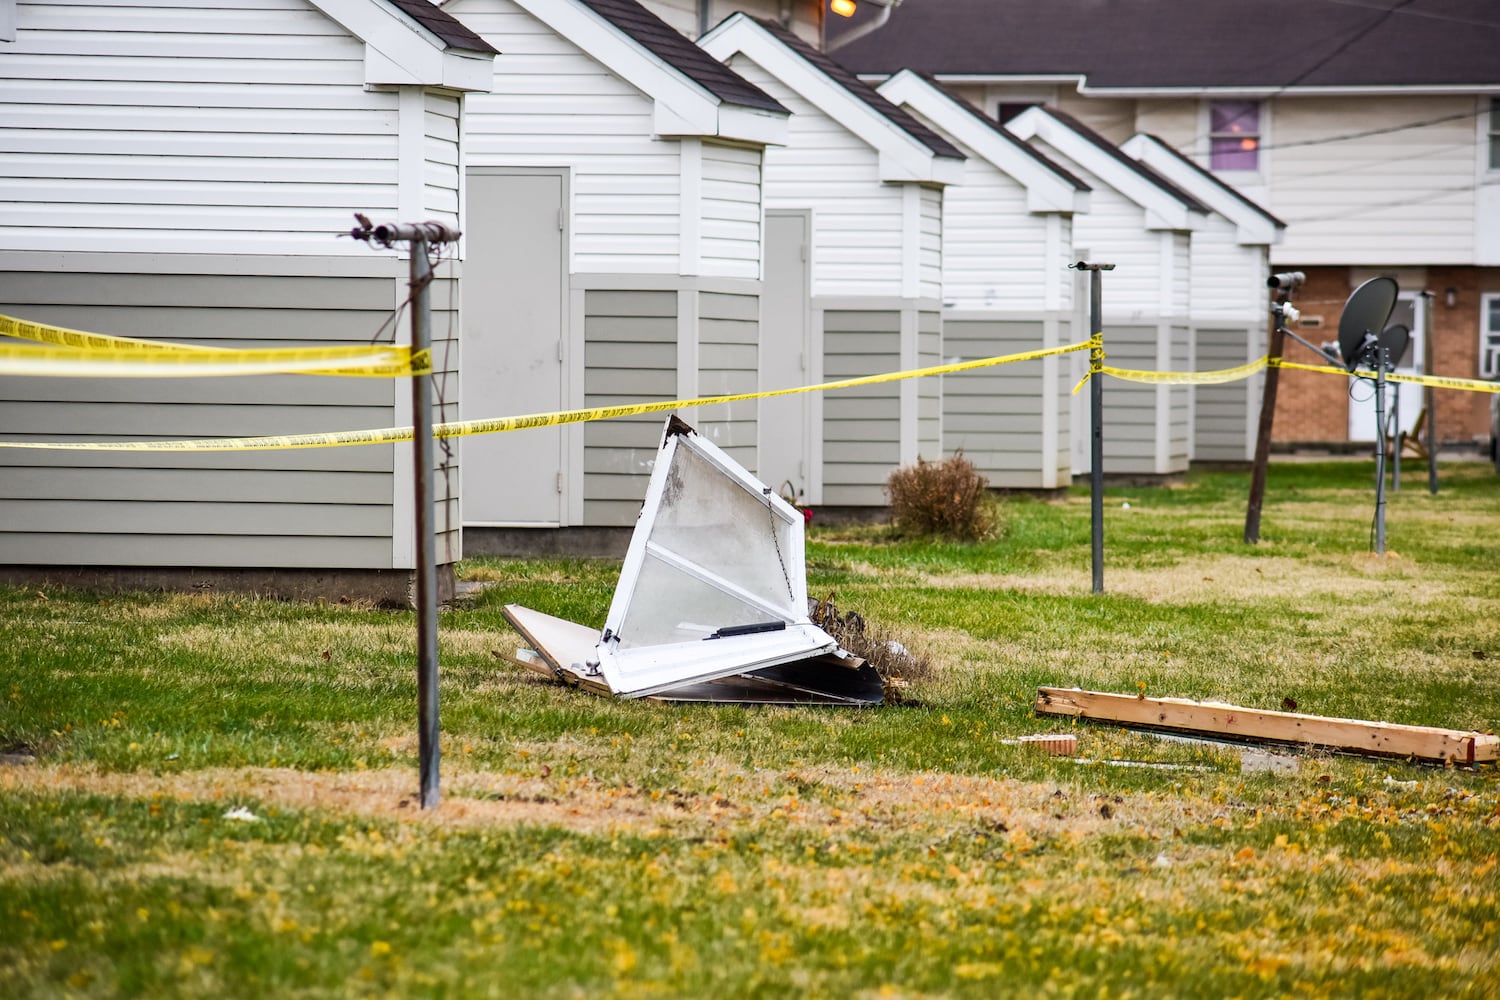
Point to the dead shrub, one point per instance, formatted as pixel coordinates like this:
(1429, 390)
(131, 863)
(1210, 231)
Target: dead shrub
(948, 498)
(899, 668)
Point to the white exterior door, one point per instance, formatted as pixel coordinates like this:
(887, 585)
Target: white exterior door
(785, 422)
(1410, 312)
(514, 293)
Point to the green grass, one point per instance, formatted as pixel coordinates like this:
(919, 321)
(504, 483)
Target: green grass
(598, 847)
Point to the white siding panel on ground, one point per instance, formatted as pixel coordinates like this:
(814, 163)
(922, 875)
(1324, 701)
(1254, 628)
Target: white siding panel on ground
(730, 242)
(1406, 194)
(215, 127)
(856, 219)
(554, 105)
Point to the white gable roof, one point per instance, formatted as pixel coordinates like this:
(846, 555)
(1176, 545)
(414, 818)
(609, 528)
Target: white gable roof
(1256, 226)
(902, 156)
(401, 51)
(1166, 206)
(1048, 187)
(681, 105)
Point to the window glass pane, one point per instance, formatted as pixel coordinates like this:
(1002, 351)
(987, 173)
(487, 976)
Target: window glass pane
(1234, 118)
(1492, 325)
(713, 522)
(1234, 129)
(670, 606)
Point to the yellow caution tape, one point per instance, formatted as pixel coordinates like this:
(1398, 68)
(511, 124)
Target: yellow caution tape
(1189, 378)
(465, 428)
(93, 355)
(1436, 381)
(367, 361)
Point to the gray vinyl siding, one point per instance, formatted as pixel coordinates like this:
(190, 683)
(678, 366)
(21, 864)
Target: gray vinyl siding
(310, 508)
(930, 389)
(629, 356)
(1222, 430)
(728, 364)
(861, 426)
(1131, 441)
(994, 415)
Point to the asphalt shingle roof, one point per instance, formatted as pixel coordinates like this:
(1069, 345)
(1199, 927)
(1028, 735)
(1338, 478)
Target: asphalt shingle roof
(1136, 166)
(448, 29)
(679, 52)
(1193, 43)
(845, 78)
(995, 127)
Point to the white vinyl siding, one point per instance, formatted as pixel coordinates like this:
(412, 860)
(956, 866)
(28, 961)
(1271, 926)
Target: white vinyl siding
(857, 220)
(1407, 195)
(236, 127)
(994, 251)
(554, 105)
(1228, 277)
(440, 178)
(730, 241)
(930, 242)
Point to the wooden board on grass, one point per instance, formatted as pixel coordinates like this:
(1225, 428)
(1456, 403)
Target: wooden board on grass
(1381, 739)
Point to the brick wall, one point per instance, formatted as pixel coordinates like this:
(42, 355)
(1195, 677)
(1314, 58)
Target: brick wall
(1314, 408)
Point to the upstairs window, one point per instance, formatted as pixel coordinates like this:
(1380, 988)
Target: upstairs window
(1234, 135)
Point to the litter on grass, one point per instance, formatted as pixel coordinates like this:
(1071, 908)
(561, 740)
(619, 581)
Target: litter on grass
(711, 604)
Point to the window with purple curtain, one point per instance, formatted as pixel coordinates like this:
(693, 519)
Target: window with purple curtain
(1234, 135)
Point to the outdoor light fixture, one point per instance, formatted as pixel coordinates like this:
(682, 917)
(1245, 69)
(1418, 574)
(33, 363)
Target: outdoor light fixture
(1450, 297)
(843, 8)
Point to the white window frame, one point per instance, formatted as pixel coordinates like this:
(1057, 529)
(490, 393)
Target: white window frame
(1262, 109)
(1489, 335)
(1491, 130)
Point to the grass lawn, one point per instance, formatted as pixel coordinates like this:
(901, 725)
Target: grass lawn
(209, 795)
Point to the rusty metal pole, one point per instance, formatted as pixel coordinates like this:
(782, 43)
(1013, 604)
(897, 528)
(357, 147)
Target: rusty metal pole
(1429, 400)
(420, 236)
(1267, 414)
(1096, 420)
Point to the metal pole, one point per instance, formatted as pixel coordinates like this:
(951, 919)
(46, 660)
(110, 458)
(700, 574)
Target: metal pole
(427, 616)
(420, 235)
(1096, 420)
(1429, 401)
(1396, 440)
(1379, 353)
(1263, 429)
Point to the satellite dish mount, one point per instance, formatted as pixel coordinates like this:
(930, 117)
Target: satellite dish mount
(1368, 346)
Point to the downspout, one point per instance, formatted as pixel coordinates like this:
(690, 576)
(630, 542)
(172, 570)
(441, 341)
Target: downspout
(868, 28)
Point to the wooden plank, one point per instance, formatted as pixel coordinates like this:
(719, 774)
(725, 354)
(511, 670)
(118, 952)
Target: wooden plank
(1382, 739)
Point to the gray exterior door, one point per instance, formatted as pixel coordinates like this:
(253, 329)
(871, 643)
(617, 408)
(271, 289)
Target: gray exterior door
(513, 308)
(786, 422)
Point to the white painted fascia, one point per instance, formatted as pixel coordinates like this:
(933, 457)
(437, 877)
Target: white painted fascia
(902, 158)
(400, 52)
(680, 106)
(1163, 209)
(1252, 228)
(1045, 190)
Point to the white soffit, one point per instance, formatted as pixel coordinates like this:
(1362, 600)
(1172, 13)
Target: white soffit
(714, 583)
(399, 52)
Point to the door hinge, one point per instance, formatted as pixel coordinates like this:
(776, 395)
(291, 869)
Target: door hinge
(559, 482)
(559, 350)
(560, 220)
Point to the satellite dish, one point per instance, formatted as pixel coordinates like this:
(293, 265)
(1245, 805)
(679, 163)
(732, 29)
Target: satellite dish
(1365, 313)
(1395, 341)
